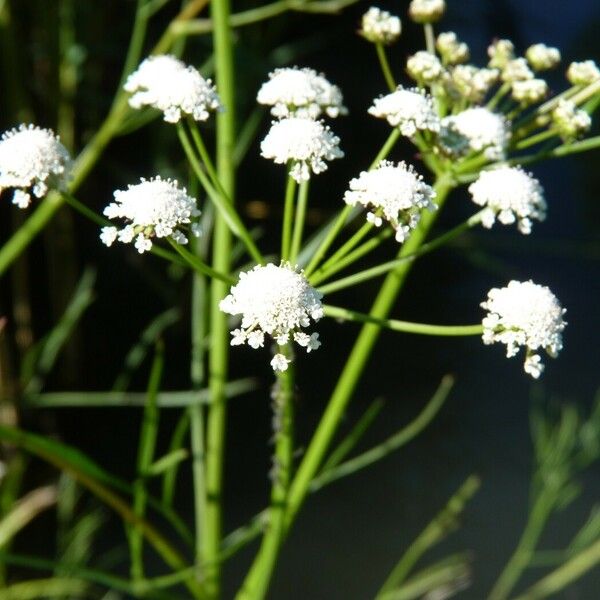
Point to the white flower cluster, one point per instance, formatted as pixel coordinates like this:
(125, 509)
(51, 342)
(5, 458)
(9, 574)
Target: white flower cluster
(516, 69)
(304, 143)
(32, 160)
(570, 121)
(478, 130)
(529, 91)
(542, 57)
(169, 85)
(583, 73)
(380, 27)
(500, 53)
(410, 110)
(524, 314)
(424, 67)
(509, 194)
(395, 193)
(472, 83)
(426, 11)
(154, 208)
(451, 49)
(295, 92)
(275, 301)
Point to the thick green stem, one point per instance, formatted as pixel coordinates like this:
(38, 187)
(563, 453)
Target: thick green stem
(540, 512)
(257, 581)
(219, 335)
(357, 361)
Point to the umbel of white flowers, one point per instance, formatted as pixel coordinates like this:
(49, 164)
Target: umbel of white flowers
(528, 315)
(410, 110)
(277, 301)
(380, 27)
(153, 208)
(32, 161)
(392, 192)
(169, 85)
(295, 92)
(304, 144)
(509, 194)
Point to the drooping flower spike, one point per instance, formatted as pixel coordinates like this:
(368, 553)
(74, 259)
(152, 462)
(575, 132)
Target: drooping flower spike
(32, 161)
(528, 315)
(176, 89)
(154, 208)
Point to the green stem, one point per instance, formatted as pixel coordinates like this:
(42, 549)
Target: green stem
(257, 581)
(198, 265)
(541, 510)
(299, 221)
(386, 148)
(146, 449)
(205, 156)
(345, 314)
(502, 91)
(346, 248)
(535, 139)
(219, 335)
(385, 66)
(429, 38)
(356, 363)
(383, 268)
(288, 217)
(222, 201)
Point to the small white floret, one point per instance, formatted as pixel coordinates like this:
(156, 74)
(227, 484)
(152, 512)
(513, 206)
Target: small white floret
(516, 70)
(426, 11)
(280, 363)
(410, 110)
(295, 92)
(32, 161)
(583, 73)
(451, 49)
(176, 89)
(379, 26)
(530, 91)
(510, 195)
(152, 208)
(478, 130)
(274, 301)
(500, 52)
(424, 67)
(528, 315)
(304, 143)
(473, 83)
(392, 192)
(542, 57)
(570, 121)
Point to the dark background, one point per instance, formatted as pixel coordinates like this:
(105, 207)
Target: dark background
(349, 536)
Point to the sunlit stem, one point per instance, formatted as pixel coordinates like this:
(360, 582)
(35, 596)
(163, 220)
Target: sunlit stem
(499, 95)
(299, 220)
(535, 139)
(288, 216)
(198, 265)
(358, 236)
(385, 66)
(429, 38)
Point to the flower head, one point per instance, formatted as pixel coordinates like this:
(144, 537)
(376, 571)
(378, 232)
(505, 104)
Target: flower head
(529, 91)
(451, 49)
(524, 314)
(570, 121)
(379, 26)
(32, 160)
(392, 192)
(500, 52)
(516, 69)
(424, 67)
(305, 143)
(583, 73)
(275, 301)
(473, 83)
(410, 110)
(169, 85)
(426, 11)
(509, 194)
(542, 57)
(295, 92)
(153, 208)
(477, 130)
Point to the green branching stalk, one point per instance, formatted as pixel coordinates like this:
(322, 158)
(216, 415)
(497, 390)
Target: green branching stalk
(219, 334)
(385, 66)
(288, 216)
(299, 219)
(257, 581)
